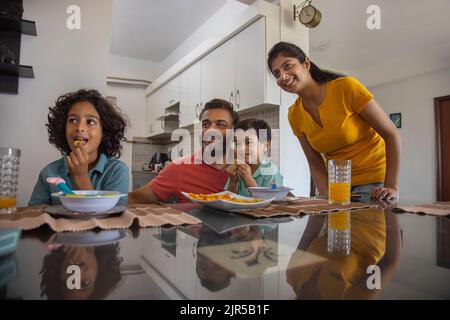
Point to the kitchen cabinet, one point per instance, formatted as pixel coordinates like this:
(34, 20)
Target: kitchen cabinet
(155, 110)
(235, 71)
(190, 100)
(250, 66)
(149, 115)
(186, 264)
(164, 97)
(170, 93)
(218, 73)
(158, 252)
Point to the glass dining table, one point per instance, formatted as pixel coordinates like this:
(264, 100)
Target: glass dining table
(232, 256)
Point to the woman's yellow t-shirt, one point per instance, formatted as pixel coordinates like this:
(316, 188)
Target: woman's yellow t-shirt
(344, 135)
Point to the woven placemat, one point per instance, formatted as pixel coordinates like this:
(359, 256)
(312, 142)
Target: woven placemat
(441, 209)
(305, 206)
(148, 215)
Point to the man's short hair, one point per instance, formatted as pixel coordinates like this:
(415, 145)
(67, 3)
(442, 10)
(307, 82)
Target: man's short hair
(221, 104)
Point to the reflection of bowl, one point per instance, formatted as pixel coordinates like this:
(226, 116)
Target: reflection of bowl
(89, 200)
(88, 238)
(8, 241)
(267, 192)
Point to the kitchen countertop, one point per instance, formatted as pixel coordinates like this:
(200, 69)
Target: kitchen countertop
(231, 256)
(144, 171)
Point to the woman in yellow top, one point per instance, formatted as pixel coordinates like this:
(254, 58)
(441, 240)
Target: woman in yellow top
(335, 115)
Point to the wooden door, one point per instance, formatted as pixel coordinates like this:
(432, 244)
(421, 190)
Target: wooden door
(442, 117)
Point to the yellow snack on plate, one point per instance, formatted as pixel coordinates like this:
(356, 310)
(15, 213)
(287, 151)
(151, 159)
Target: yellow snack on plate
(213, 196)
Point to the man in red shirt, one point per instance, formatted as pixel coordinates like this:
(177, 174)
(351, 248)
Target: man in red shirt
(193, 173)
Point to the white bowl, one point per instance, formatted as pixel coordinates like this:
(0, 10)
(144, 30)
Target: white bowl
(267, 192)
(89, 200)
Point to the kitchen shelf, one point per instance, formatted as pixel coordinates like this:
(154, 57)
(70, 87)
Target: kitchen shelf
(172, 116)
(15, 25)
(17, 70)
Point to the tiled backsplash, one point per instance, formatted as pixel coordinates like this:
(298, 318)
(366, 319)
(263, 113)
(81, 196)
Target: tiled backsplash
(144, 148)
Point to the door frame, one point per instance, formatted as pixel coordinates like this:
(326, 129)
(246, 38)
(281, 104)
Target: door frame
(437, 118)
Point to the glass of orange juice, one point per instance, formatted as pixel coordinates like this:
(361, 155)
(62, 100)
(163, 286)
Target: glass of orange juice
(9, 175)
(339, 181)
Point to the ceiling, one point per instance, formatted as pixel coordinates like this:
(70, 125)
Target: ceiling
(343, 42)
(152, 29)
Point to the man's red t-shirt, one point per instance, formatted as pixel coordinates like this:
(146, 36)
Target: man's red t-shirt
(185, 175)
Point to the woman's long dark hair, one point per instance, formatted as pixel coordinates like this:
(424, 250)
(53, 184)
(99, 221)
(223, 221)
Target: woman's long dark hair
(287, 49)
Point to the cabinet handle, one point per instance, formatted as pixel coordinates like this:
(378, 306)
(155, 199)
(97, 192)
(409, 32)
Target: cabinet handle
(238, 99)
(162, 124)
(196, 110)
(194, 250)
(199, 109)
(231, 99)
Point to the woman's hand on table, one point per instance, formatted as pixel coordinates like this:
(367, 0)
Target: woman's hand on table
(385, 193)
(387, 204)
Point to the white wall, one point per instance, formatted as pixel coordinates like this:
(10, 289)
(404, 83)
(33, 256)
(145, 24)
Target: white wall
(63, 60)
(132, 103)
(293, 164)
(405, 65)
(413, 97)
(216, 27)
(126, 67)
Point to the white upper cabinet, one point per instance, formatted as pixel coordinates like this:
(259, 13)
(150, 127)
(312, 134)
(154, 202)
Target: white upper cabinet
(250, 66)
(218, 75)
(170, 93)
(190, 87)
(150, 116)
(157, 102)
(234, 71)
(155, 110)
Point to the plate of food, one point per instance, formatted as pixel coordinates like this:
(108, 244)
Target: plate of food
(227, 200)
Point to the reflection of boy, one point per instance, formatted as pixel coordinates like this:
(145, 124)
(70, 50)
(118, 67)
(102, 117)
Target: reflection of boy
(99, 271)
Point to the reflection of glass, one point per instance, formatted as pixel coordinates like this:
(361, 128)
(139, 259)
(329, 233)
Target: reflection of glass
(313, 273)
(339, 180)
(9, 175)
(339, 233)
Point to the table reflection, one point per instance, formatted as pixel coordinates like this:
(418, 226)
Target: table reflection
(374, 241)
